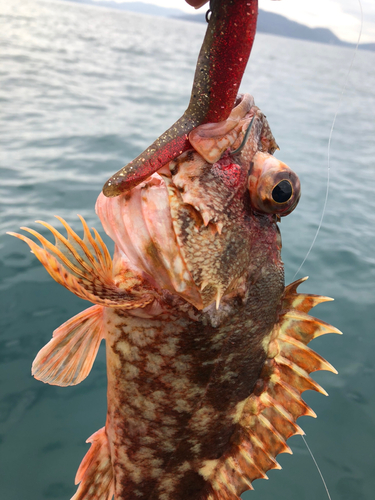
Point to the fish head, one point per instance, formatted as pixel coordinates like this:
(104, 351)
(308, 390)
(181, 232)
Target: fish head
(205, 225)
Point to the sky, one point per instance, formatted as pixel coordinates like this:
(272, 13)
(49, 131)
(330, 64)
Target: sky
(341, 16)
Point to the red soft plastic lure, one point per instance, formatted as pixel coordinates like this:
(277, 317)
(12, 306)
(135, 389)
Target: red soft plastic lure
(221, 63)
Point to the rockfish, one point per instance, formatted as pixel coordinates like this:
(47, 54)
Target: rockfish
(206, 348)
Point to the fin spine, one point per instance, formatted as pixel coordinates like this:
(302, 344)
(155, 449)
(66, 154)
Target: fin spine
(269, 418)
(87, 275)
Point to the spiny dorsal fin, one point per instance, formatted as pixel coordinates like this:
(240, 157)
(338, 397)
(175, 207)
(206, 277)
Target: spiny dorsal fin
(83, 266)
(300, 301)
(269, 415)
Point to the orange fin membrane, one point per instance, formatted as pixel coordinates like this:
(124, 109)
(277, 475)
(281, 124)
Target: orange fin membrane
(68, 357)
(268, 417)
(83, 266)
(95, 473)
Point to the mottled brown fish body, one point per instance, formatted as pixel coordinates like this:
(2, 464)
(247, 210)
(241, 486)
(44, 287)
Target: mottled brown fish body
(175, 388)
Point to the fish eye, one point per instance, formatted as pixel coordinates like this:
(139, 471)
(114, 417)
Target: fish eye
(274, 188)
(282, 192)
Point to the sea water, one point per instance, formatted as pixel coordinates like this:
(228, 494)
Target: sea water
(83, 91)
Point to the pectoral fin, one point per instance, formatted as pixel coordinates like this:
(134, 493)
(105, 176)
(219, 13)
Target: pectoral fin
(95, 472)
(68, 357)
(83, 266)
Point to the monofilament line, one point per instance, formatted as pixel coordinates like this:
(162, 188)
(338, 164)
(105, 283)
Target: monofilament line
(330, 139)
(326, 200)
(317, 466)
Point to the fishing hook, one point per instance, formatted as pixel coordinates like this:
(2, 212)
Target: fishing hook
(209, 12)
(244, 140)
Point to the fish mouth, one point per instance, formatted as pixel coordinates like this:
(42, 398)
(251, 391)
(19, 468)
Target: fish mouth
(140, 224)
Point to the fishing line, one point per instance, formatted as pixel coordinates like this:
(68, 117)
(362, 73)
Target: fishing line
(317, 466)
(326, 200)
(330, 140)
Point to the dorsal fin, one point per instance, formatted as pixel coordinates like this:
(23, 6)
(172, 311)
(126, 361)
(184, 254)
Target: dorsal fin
(269, 415)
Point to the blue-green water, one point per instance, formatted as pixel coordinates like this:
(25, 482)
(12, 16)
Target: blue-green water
(83, 91)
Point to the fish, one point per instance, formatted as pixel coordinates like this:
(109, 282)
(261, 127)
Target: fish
(206, 347)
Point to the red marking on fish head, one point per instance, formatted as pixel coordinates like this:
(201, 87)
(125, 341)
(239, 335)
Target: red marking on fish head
(230, 173)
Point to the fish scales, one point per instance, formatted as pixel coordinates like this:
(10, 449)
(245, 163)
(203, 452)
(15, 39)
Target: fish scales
(206, 348)
(174, 386)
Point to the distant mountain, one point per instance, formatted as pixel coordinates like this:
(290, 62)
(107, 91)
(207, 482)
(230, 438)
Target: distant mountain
(268, 22)
(367, 46)
(275, 24)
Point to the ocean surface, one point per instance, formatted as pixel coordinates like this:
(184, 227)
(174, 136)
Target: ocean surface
(83, 91)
